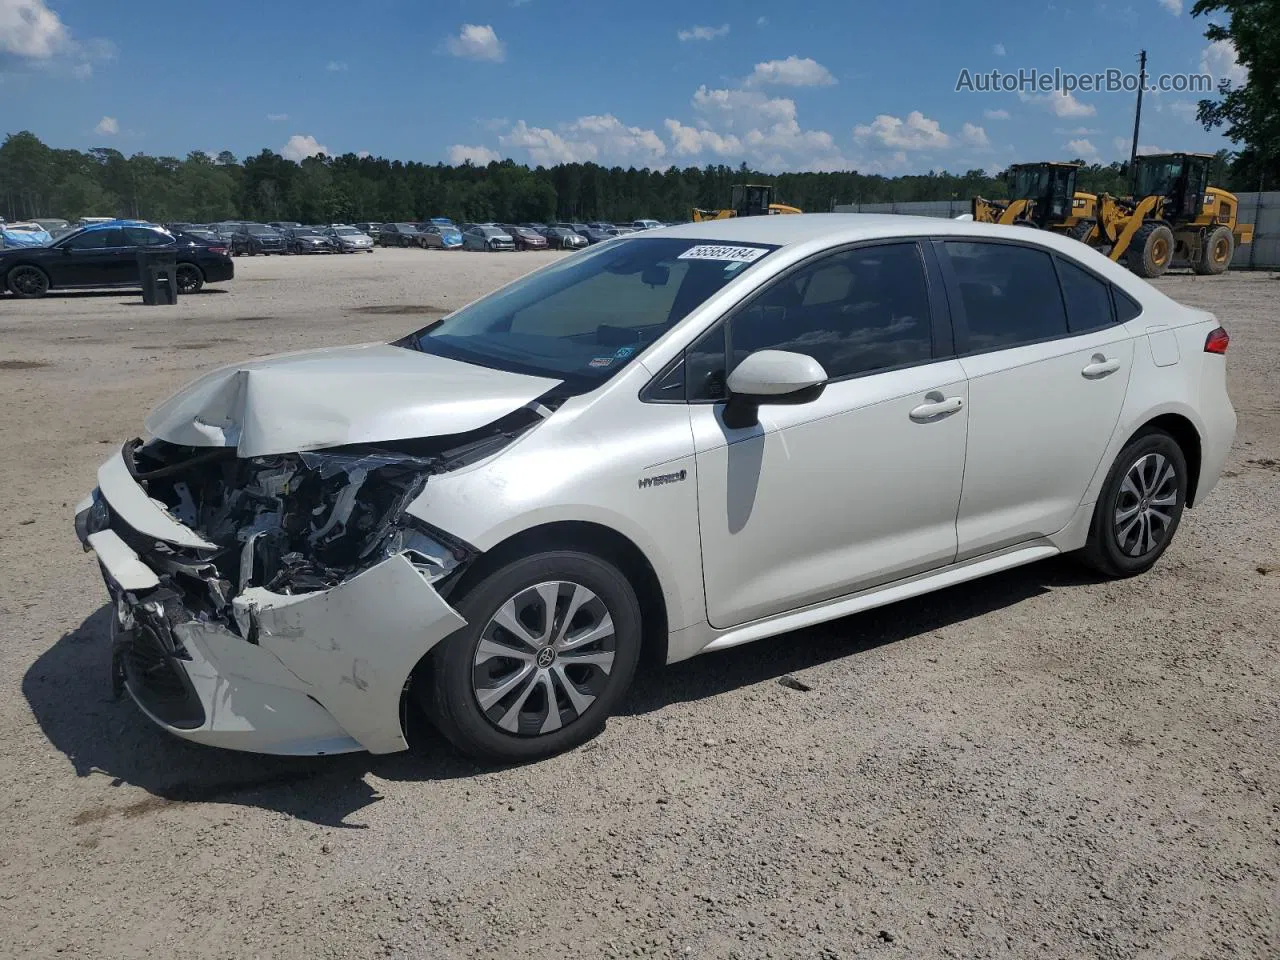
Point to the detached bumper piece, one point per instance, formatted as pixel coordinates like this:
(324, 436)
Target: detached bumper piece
(316, 665)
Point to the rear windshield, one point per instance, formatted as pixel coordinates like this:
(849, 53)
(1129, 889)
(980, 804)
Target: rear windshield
(589, 315)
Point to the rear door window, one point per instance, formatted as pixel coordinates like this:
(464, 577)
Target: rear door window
(1010, 294)
(1087, 298)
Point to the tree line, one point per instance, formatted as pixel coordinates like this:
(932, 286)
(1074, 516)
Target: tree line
(40, 181)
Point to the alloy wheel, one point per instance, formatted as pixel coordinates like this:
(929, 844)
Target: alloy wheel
(1146, 505)
(543, 658)
(188, 279)
(28, 282)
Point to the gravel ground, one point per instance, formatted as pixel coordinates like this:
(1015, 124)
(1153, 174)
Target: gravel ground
(1034, 765)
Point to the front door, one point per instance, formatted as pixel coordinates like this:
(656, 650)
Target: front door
(1048, 367)
(856, 488)
(93, 258)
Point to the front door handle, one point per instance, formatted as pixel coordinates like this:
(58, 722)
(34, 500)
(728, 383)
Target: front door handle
(935, 407)
(1099, 367)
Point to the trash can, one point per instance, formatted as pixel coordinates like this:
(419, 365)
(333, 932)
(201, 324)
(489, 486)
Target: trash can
(158, 273)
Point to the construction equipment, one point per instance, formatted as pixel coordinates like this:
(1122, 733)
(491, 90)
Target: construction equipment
(747, 200)
(1173, 213)
(1042, 195)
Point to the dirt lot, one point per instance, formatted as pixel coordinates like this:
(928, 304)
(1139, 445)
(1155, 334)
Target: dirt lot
(1036, 765)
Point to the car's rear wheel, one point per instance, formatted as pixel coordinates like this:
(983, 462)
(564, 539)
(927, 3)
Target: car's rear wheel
(550, 647)
(28, 282)
(190, 278)
(1139, 508)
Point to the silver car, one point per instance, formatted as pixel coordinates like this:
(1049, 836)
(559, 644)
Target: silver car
(679, 441)
(481, 236)
(347, 239)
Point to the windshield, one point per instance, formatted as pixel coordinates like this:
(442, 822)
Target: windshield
(1156, 178)
(258, 231)
(589, 315)
(346, 231)
(1030, 184)
(305, 232)
(406, 228)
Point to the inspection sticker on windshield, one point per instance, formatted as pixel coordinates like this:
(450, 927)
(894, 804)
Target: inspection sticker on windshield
(712, 251)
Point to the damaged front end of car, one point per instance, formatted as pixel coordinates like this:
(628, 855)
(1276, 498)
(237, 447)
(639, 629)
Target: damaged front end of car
(279, 603)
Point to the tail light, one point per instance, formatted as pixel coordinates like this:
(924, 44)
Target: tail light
(221, 251)
(1217, 341)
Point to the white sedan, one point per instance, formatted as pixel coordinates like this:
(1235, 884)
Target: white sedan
(682, 440)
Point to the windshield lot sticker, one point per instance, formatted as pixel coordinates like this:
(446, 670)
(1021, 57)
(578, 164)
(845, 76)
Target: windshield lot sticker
(712, 251)
(600, 361)
(624, 352)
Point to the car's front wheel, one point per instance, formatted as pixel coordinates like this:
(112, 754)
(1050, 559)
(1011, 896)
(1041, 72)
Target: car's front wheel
(1139, 508)
(28, 282)
(550, 647)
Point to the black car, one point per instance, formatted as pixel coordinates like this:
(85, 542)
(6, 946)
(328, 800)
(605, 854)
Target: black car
(257, 238)
(106, 255)
(562, 238)
(399, 235)
(307, 240)
(595, 235)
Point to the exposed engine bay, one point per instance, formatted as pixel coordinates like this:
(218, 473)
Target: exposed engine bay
(301, 522)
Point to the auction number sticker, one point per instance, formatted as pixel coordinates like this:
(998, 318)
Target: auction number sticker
(711, 251)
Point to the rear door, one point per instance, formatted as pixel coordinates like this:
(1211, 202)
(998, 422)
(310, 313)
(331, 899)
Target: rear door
(1048, 367)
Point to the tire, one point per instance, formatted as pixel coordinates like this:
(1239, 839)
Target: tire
(190, 279)
(1082, 230)
(1139, 497)
(586, 692)
(1219, 248)
(1151, 250)
(27, 282)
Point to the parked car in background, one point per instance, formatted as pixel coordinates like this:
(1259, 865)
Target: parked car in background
(27, 233)
(203, 234)
(346, 239)
(435, 236)
(226, 229)
(600, 225)
(307, 240)
(488, 238)
(399, 235)
(525, 237)
(620, 231)
(370, 230)
(595, 235)
(90, 221)
(562, 238)
(105, 255)
(441, 221)
(645, 224)
(537, 227)
(54, 226)
(283, 225)
(257, 238)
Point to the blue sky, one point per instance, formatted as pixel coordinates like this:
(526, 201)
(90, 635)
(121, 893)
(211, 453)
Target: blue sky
(818, 84)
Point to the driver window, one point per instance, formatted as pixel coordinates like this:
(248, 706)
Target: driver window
(95, 240)
(854, 312)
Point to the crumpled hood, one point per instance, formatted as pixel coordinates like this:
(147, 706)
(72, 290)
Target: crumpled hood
(339, 395)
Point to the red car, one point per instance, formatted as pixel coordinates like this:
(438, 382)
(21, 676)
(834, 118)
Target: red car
(526, 238)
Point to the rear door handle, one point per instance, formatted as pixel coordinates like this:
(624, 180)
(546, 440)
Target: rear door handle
(935, 407)
(1099, 367)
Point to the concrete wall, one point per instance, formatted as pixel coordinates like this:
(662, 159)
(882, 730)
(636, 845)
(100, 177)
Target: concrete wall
(1260, 209)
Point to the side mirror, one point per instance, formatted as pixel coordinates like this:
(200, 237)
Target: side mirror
(771, 376)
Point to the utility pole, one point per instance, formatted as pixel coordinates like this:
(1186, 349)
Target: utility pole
(1137, 115)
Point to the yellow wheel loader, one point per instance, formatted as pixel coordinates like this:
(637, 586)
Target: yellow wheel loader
(1042, 195)
(1173, 214)
(747, 200)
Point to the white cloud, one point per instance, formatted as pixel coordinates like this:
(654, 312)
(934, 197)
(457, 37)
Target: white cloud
(995, 114)
(599, 138)
(791, 72)
(917, 132)
(1185, 109)
(691, 141)
(1063, 104)
(82, 71)
(974, 136)
(460, 153)
(31, 31)
(301, 146)
(998, 50)
(1078, 131)
(107, 127)
(1173, 6)
(363, 154)
(702, 33)
(762, 21)
(1123, 145)
(741, 109)
(336, 66)
(478, 42)
(1083, 149)
(1219, 60)
(277, 117)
